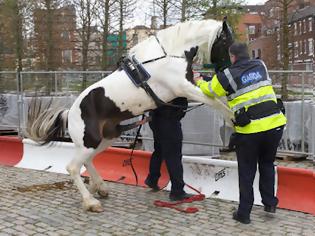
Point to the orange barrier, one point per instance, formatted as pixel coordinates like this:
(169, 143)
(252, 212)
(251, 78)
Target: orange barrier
(113, 164)
(11, 150)
(296, 189)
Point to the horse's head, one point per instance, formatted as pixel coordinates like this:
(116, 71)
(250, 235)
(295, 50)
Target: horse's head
(220, 49)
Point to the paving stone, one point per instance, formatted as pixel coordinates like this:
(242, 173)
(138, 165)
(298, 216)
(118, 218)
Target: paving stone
(128, 211)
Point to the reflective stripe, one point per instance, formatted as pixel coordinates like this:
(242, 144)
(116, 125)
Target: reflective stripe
(230, 78)
(211, 90)
(268, 78)
(268, 116)
(248, 89)
(253, 101)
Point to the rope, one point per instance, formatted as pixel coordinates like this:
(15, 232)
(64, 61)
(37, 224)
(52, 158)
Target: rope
(174, 205)
(132, 150)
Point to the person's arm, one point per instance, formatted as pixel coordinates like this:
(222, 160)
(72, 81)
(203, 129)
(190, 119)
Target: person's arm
(212, 88)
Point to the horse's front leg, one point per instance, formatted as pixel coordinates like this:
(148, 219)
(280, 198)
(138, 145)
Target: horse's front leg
(194, 93)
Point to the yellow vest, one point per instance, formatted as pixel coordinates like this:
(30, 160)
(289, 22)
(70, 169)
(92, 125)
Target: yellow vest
(247, 99)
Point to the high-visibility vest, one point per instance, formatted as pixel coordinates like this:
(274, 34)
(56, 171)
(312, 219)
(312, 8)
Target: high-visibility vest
(245, 84)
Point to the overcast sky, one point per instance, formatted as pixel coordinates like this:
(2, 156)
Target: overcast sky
(142, 15)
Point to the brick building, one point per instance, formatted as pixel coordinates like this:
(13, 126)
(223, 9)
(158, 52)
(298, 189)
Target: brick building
(250, 23)
(62, 38)
(301, 20)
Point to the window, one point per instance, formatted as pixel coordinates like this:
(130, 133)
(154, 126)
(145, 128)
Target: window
(253, 54)
(251, 29)
(66, 56)
(278, 35)
(310, 24)
(300, 27)
(310, 47)
(304, 26)
(305, 47)
(301, 47)
(259, 53)
(295, 29)
(296, 49)
(65, 35)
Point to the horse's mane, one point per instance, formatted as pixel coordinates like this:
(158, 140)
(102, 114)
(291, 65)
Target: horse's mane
(183, 36)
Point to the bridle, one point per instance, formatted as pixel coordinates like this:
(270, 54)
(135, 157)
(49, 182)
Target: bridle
(164, 51)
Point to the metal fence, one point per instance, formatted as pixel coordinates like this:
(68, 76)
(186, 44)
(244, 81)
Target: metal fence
(300, 91)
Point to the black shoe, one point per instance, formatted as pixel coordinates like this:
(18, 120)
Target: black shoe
(152, 185)
(180, 197)
(243, 220)
(270, 209)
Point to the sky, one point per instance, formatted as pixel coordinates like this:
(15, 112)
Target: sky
(143, 5)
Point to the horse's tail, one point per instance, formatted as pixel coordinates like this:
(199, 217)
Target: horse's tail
(46, 123)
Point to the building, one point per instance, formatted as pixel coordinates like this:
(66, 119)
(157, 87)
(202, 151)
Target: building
(301, 35)
(61, 38)
(138, 34)
(249, 27)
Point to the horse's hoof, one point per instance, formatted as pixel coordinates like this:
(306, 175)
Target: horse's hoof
(97, 208)
(103, 193)
(92, 205)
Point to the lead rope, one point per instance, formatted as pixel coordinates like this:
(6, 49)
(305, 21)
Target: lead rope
(133, 148)
(174, 205)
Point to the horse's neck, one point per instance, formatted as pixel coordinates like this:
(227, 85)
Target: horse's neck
(181, 37)
(176, 39)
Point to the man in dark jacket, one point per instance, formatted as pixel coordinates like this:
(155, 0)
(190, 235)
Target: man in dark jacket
(168, 137)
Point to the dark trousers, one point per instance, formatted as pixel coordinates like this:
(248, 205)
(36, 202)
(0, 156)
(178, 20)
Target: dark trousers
(168, 137)
(252, 149)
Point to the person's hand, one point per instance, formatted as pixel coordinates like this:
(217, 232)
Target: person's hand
(197, 77)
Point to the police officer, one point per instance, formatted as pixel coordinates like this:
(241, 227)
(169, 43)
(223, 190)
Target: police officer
(168, 137)
(258, 124)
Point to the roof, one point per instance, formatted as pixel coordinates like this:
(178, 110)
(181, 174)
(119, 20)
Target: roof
(302, 13)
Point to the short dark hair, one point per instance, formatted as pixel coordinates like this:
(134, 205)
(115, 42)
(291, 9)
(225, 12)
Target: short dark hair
(239, 50)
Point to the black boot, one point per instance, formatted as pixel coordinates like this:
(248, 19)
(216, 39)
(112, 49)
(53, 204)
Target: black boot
(239, 218)
(180, 197)
(270, 209)
(151, 184)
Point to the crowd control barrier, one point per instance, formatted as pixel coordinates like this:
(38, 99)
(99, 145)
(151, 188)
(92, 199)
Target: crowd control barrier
(214, 178)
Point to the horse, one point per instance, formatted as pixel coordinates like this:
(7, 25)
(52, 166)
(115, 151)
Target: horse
(93, 121)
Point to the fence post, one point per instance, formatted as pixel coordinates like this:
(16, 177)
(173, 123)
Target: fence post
(302, 114)
(19, 84)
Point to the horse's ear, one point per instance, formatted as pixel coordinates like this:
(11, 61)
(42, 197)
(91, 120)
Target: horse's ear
(225, 24)
(191, 53)
(226, 28)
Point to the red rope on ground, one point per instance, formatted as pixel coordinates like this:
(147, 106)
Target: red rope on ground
(173, 205)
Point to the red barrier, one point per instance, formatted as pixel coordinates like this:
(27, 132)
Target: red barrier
(113, 164)
(296, 189)
(11, 150)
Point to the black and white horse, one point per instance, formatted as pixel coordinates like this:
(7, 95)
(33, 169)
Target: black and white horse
(94, 118)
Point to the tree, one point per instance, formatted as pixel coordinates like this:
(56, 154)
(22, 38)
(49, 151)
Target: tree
(125, 9)
(189, 9)
(13, 19)
(284, 25)
(46, 34)
(86, 10)
(218, 9)
(105, 9)
(163, 9)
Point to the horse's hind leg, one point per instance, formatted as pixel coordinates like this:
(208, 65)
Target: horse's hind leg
(96, 182)
(74, 167)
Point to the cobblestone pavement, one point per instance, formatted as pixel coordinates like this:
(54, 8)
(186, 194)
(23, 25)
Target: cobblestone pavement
(29, 207)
